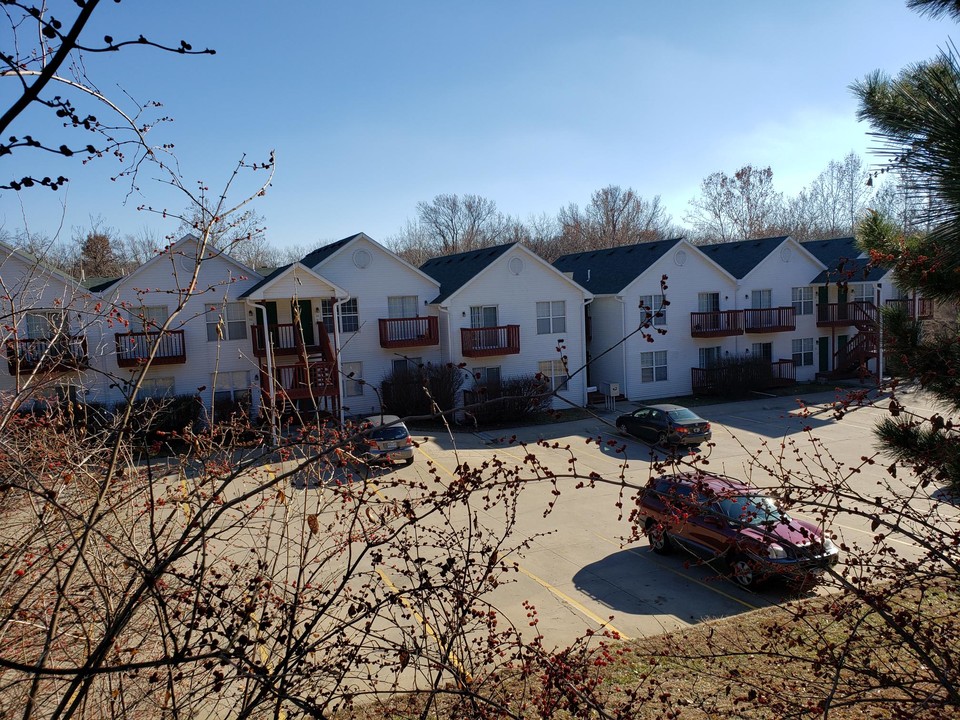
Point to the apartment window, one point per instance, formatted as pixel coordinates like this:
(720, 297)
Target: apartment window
(803, 351)
(488, 377)
(407, 365)
(349, 315)
(861, 292)
(402, 306)
(551, 317)
(482, 316)
(761, 299)
(231, 388)
(158, 387)
(709, 356)
(802, 298)
(45, 325)
(352, 376)
(653, 366)
(763, 351)
(655, 310)
(148, 318)
(228, 322)
(708, 302)
(555, 372)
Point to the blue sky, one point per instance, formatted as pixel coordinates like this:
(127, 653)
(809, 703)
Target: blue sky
(374, 106)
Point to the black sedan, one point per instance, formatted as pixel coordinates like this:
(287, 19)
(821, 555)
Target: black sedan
(665, 425)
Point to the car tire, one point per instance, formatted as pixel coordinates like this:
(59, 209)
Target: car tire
(621, 429)
(408, 461)
(658, 538)
(743, 572)
(662, 441)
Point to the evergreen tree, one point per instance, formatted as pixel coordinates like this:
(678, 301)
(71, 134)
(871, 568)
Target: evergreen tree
(916, 116)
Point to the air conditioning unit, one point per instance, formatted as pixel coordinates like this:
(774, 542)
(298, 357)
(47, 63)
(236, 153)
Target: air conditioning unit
(610, 389)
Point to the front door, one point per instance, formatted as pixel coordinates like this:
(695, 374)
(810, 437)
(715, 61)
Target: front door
(304, 308)
(823, 346)
(272, 322)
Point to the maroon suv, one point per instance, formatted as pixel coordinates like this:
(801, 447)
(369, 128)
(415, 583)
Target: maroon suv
(724, 518)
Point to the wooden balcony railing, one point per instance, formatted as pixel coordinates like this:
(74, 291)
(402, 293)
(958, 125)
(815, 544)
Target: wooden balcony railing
(488, 341)
(920, 308)
(300, 381)
(288, 339)
(846, 314)
(134, 348)
(767, 320)
(60, 354)
(409, 332)
(738, 378)
(718, 323)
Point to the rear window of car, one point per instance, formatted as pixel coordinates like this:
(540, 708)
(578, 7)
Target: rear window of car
(683, 414)
(394, 432)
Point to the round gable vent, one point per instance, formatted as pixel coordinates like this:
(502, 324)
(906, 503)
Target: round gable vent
(515, 265)
(680, 258)
(785, 254)
(362, 258)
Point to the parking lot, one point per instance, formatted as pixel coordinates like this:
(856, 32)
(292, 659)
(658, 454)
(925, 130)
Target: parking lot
(579, 571)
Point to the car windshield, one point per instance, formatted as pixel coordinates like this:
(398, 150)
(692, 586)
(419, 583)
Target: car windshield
(683, 414)
(751, 509)
(394, 432)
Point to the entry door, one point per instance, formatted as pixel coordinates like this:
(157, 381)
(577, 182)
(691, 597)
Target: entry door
(306, 319)
(272, 322)
(823, 346)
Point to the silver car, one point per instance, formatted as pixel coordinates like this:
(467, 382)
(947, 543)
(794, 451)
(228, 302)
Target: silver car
(389, 440)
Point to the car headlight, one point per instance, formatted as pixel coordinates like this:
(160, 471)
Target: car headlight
(775, 552)
(828, 547)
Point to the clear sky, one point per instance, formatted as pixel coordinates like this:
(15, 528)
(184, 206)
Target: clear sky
(374, 106)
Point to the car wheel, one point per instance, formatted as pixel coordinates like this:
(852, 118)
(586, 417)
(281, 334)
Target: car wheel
(408, 461)
(621, 429)
(662, 440)
(743, 572)
(659, 540)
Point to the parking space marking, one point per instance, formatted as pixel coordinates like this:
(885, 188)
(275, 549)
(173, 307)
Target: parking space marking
(634, 551)
(579, 607)
(603, 623)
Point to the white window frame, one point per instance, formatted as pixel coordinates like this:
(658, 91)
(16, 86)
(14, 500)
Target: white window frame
(802, 349)
(231, 385)
(403, 306)
(480, 376)
(349, 315)
(158, 387)
(860, 292)
(556, 372)
(762, 350)
(708, 302)
(227, 322)
(655, 305)
(551, 317)
(149, 318)
(761, 299)
(45, 324)
(653, 366)
(352, 387)
(802, 300)
(706, 353)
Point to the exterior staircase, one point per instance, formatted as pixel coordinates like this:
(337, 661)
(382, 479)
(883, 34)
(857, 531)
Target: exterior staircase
(851, 360)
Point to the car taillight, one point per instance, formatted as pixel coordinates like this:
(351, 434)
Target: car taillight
(373, 443)
(681, 430)
(706, 426)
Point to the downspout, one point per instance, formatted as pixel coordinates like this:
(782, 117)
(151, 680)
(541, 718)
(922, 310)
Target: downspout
(449, 345)
(880, 333)
(623, 346)
(336, 350)
(268, 346)
(583, 363)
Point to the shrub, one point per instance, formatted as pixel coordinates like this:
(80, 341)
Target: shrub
(403, 395)
(514, 399)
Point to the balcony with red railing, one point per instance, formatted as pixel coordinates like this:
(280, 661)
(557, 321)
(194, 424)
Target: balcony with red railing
(846, 314)
(731, 378)
(409, 332)
(60, 354)
(718, 323)
(301, 381)
(918, 308)
(289, 339)
(134, 348)
(769, 320)
(490, 341)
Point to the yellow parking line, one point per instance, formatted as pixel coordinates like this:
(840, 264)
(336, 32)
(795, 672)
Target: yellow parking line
(556, 591)
(603, 623)
(636, 552)
(454, 660)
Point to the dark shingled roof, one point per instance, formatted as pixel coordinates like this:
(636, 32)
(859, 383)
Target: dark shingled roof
(843, 261)
(99, 284)
(455, 271)
(607, 272)
(267, 279)
(739, 258)
(311, 260)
